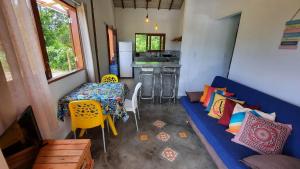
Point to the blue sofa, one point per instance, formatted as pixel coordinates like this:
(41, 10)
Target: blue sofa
(226, 153)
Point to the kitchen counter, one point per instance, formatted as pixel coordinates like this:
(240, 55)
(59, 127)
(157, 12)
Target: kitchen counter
(138, 64)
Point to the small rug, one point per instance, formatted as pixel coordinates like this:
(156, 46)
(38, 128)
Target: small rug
(169, 154)
(183, 134)
(159, 124)
(163, 136)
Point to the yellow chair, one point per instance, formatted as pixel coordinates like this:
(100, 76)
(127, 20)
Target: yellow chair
(87, 114)
(110, 78)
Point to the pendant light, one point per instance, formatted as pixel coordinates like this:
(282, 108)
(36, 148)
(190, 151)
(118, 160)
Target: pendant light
(156, 27)
(147, 17)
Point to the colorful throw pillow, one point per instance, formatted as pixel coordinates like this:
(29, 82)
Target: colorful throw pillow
(193, 96)
(216, 106)
(210, 91)
(261, 135)
(204, 93)
(228, 110)
(238, 116)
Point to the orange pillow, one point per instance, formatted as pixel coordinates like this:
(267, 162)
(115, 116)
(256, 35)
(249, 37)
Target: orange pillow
(204, 93)
(210, 90)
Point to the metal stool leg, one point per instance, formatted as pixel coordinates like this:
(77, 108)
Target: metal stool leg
(153, 89)
(174, 90)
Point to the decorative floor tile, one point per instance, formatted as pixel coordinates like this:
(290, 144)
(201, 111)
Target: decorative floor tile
(159, 124)
(169, 154)
(163, 136)
(183, 134)
(143, 137)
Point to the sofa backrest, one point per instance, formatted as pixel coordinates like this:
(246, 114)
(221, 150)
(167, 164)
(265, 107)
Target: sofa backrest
(285, 112)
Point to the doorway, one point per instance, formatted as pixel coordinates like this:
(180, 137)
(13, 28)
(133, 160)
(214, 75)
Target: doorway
(231, 24)
(112, 50)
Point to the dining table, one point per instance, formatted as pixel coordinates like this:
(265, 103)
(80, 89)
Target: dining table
(110, 95)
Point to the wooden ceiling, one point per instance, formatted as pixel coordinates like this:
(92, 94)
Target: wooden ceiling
(158, 4)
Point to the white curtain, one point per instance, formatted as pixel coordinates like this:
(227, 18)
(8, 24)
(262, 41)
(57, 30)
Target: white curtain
(90, 61)
(22, 76)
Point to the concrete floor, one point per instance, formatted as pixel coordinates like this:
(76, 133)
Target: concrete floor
(127, 151)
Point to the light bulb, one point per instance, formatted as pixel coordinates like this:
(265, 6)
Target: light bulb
(147, 19)
(156, 27)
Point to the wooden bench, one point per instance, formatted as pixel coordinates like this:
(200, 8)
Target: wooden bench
(65, 154)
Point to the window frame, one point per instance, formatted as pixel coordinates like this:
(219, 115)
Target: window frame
(76, 41)
(148, 47)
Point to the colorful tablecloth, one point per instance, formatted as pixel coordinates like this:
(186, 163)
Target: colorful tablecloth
(110, 95)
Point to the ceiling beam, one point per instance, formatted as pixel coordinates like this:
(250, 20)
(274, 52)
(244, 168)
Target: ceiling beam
(159, 4)
(134, 3)
(171, 4)
(122, 4)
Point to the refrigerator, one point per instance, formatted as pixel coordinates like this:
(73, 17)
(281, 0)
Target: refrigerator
(125, 59)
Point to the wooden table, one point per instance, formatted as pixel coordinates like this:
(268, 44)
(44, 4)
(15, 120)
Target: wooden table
(65, 154)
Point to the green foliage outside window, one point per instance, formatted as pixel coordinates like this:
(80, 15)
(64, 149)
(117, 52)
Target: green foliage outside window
(141, 42)
(57, 34)
(155, 42)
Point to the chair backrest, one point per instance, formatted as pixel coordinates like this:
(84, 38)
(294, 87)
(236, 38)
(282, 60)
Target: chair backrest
(135, 95)
(85, 114)
(110, 78)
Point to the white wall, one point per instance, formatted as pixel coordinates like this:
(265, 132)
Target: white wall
(59, 89)
(257, 61)
(205, 45)
(104, 14)
(130, 21)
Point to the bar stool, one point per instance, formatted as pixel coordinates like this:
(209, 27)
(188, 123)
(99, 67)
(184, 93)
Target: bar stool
(143, 74)
(172, 73)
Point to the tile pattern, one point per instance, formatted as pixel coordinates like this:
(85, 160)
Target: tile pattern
(159, 124)
(183, 134)
(143, 137)
(163, 136)
(169, 154)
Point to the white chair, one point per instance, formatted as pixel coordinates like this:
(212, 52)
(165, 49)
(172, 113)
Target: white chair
(132, 105)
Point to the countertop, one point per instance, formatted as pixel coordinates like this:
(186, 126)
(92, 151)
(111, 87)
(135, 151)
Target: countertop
(155, 64)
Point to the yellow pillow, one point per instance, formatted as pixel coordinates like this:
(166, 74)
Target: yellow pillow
(217, 108)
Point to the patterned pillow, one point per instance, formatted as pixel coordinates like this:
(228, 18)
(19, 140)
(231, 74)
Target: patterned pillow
(238, 115)
(216, 106)
(263, 136)
(209, 93)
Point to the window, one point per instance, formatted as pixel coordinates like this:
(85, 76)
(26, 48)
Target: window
(149, 42)
(4, 64)
(57, 26)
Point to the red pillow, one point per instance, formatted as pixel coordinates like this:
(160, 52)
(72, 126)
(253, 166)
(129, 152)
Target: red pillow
(228, 110)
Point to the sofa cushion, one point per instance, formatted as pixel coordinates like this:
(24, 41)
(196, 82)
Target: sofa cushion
(239, 114)
(272, 161)
(230, 153)
(285, 112)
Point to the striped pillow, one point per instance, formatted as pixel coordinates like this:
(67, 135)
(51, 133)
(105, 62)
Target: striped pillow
(238, 116)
